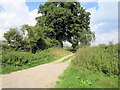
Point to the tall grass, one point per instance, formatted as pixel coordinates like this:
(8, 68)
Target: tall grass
(92, 67)
(81, 77)
(103, 58)
(17, 60)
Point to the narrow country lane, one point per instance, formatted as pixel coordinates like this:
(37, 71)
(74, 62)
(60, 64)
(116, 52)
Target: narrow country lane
(42, 76)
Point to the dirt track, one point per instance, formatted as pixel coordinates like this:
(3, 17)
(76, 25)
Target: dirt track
(42, 76)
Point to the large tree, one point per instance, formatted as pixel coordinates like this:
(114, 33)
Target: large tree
(69, 21)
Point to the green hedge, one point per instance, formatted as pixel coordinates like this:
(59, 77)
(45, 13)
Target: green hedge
(15, 59)
(103, 58)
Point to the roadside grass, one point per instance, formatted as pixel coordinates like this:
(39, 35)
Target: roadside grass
(17, 60)
(80, 77)
(92, 67)
(66, 59)
(103, 58)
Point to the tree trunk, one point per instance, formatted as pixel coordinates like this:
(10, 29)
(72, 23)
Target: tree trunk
(61, 43)
(74, 46)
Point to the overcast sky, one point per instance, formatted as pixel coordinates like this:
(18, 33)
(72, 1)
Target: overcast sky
(104, 17)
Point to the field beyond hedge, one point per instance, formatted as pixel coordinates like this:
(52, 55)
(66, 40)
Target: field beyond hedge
(92, 67)
(17, 60)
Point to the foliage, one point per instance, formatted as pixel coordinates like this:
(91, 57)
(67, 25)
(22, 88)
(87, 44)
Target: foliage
(69, 21)
(14, 37)
(60, 21)
(66, 59)
(31, 38)
(92, 67)
(3, 42)
(37, 37)
(81, 77)
(103, 58)
(17, 60)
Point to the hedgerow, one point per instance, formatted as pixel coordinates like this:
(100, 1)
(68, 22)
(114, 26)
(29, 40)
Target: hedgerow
(13, 60)
(103, 58)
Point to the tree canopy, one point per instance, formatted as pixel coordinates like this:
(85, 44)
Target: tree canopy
(13, 37)
(30, 37)
(60, 21)
(69, 21)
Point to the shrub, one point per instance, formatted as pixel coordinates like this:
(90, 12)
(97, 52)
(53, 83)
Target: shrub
(103, 58)
(13, 60)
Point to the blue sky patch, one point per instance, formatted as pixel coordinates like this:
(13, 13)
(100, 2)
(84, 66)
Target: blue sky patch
(89, 4)
(1, 8)
(35, 5)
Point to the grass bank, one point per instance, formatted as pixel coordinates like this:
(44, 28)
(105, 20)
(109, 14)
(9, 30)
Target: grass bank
(66, 59)
(17, 60)
(92, 67)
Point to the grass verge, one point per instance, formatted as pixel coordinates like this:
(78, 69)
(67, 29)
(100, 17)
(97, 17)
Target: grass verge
(92, 67)
(17, 60)
(66, 59)
(80, 77)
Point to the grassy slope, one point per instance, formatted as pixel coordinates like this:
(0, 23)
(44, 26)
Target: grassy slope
(95, 67)
(66, 59)
(84, 78)
(16, 60)
(65, 46)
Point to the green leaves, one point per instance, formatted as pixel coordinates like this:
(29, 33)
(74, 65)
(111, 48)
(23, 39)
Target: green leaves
(69, 20)
(89, 82)
(12, 58)
(82, 82)
(103, 58)
(14, 38)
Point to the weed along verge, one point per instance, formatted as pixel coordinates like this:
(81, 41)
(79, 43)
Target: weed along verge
(17, 60)
(66, 59)
(92, 67)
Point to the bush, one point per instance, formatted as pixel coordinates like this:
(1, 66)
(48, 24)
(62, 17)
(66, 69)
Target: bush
(103, 58)
(92, 67)
(12, 60)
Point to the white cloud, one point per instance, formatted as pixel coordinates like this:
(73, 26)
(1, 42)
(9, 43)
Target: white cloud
(104, 21)
(14, 14)
(106, 37)
(107, 11)
(96, 26)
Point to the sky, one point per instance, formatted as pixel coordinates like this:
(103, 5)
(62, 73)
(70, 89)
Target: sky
(103, 18)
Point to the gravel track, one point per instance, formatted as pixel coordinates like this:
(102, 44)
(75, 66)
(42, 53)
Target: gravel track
(42, 76)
